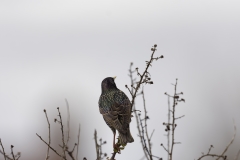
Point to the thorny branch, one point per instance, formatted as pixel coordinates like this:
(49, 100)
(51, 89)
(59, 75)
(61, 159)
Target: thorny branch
(235, 130)
(147, 146)
(17, 156)
(98, 147)
(145, 124)
(144, 77)
(135, 111)
(63, 142)
(212, 155)
(171, 126)
(135, 86)
(65, 148)
(225, 150)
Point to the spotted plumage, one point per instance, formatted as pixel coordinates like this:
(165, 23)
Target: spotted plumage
(115, 108)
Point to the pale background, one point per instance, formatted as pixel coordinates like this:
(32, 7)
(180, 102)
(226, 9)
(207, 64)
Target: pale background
(51, 50)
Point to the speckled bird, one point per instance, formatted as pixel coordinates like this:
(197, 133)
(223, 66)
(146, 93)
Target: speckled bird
(115, 108)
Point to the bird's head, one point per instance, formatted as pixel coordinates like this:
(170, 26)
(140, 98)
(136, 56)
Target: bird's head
(108, 84)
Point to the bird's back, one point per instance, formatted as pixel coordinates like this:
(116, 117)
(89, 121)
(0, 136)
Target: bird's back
(112, 98)
(116, 110)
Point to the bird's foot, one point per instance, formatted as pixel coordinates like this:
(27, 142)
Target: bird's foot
(116, 148)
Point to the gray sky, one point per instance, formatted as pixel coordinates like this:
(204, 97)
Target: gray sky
(51, 50)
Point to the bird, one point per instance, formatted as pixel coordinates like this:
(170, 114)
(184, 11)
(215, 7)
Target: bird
(115, 108)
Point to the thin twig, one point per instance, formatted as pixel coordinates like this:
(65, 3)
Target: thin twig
(225, 150)
(165, 148)
(49, 137)
(96, 145)
(143, 75)
(144, 141)
(135, 111)
(173, 121)
(70, 153)
(235, 130)
(78, 142)
(212, 155)
(12, 152)
(180, 117)
(146, 131)
(236, 158)
(68, 121)
(18, 155)
(51, 147)
(168, 135)
(63, 142)
(4, 154)
(152, 134)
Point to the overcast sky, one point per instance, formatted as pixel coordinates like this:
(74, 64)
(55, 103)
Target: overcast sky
(52, 50)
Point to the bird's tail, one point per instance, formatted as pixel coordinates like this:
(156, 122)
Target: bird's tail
(125, 137)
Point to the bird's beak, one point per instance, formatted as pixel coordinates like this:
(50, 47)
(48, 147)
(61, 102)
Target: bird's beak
(114, 77)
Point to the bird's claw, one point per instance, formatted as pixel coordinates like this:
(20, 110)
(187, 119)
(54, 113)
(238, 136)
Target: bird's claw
(116, 148)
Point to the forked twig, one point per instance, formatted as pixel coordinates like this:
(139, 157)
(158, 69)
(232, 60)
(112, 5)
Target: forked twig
(235, 130)
(63, 142)
(51, 147)
(12, 152)
(171, 124)
(225, 150)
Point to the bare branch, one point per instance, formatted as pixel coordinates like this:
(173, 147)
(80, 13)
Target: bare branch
(68, 121)
(168, 134)
(236, 158)
(3, 152)
(12, 152)
(96, 145)
(165, 149)
(143, 76)
(235, 130)
(225, 150)
(51, 147)
(173, 122)
(152, 134)
(70, 153)
(49, 137)
(135, 113)
(180, 117)
(212, 155)
(63, 142)
(78, 142)
(146, 131)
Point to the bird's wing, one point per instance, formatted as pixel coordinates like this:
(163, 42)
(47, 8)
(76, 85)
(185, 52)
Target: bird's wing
(116, 111)
(111, 119)
(123, 109)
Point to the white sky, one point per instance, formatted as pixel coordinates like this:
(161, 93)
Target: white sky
(51, 50)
